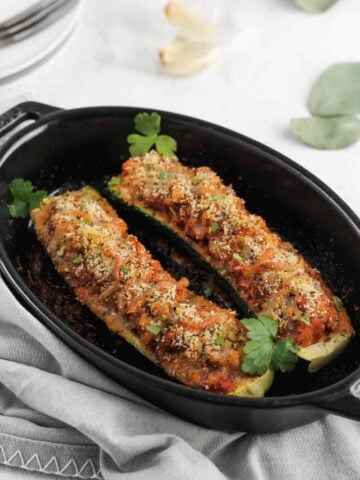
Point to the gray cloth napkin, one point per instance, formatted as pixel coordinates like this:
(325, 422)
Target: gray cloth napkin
(62, 417)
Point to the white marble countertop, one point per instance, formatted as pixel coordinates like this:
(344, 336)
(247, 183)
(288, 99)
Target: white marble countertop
(274, 55)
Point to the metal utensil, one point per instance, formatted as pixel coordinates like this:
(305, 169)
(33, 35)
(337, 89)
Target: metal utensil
(33, 19)
(26, 14)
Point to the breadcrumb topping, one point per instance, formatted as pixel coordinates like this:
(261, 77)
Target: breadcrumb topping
(113, 274)
(268, 273)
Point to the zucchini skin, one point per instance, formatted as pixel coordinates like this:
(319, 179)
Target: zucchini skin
(86, 241)
(329, 342)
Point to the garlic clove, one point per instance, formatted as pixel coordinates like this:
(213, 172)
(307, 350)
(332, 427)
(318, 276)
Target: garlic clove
(187, 57)
(190, 25)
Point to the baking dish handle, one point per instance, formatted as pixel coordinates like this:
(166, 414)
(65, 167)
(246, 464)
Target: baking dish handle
(21, 113)
(346, 404)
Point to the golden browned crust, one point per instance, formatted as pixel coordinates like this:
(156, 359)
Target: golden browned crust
(111, 272)
(268, 273)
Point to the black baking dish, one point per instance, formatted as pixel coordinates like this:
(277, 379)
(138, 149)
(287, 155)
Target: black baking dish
(83, 145)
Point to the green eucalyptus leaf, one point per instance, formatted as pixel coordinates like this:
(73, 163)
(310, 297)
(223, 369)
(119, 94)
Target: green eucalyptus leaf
(337, 91)
(315, 6)
(327, 133)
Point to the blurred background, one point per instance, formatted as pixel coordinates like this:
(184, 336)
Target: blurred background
(106, 53)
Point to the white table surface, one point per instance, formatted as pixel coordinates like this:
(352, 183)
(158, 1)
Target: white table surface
(263, 80)
(273, 55)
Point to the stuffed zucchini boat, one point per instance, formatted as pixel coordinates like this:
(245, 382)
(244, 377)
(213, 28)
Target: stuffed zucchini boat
(111, 272)
(268, 274)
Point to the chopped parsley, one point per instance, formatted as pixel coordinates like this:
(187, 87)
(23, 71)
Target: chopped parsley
(217, 197)
(87, 197)
(263, 350)
(197, 179)
(154, 329)
(25, 197)
(305, 319)
(164, 175)
(338, 304)
(214, 227)
(124, 268)
(237, 257)
(115, 181)
(219, 340)
(78, 259)
(149, 126)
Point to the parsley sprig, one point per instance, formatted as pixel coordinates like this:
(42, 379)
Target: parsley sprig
(263, 350)
(149, 126)
(25, 197)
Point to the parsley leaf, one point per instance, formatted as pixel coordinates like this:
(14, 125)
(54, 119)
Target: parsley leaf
(264, 350)
(18, 208)
(284, 356)
(261, 328)
(25, 198)
(35, 198)
(20, 188)
(149, 126)
(166, 145)
(140, 145)
(257, 356)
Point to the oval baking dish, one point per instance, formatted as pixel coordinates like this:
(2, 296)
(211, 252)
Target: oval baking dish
(83, 145)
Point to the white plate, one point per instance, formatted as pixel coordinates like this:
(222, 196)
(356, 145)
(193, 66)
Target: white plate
(21, 55)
